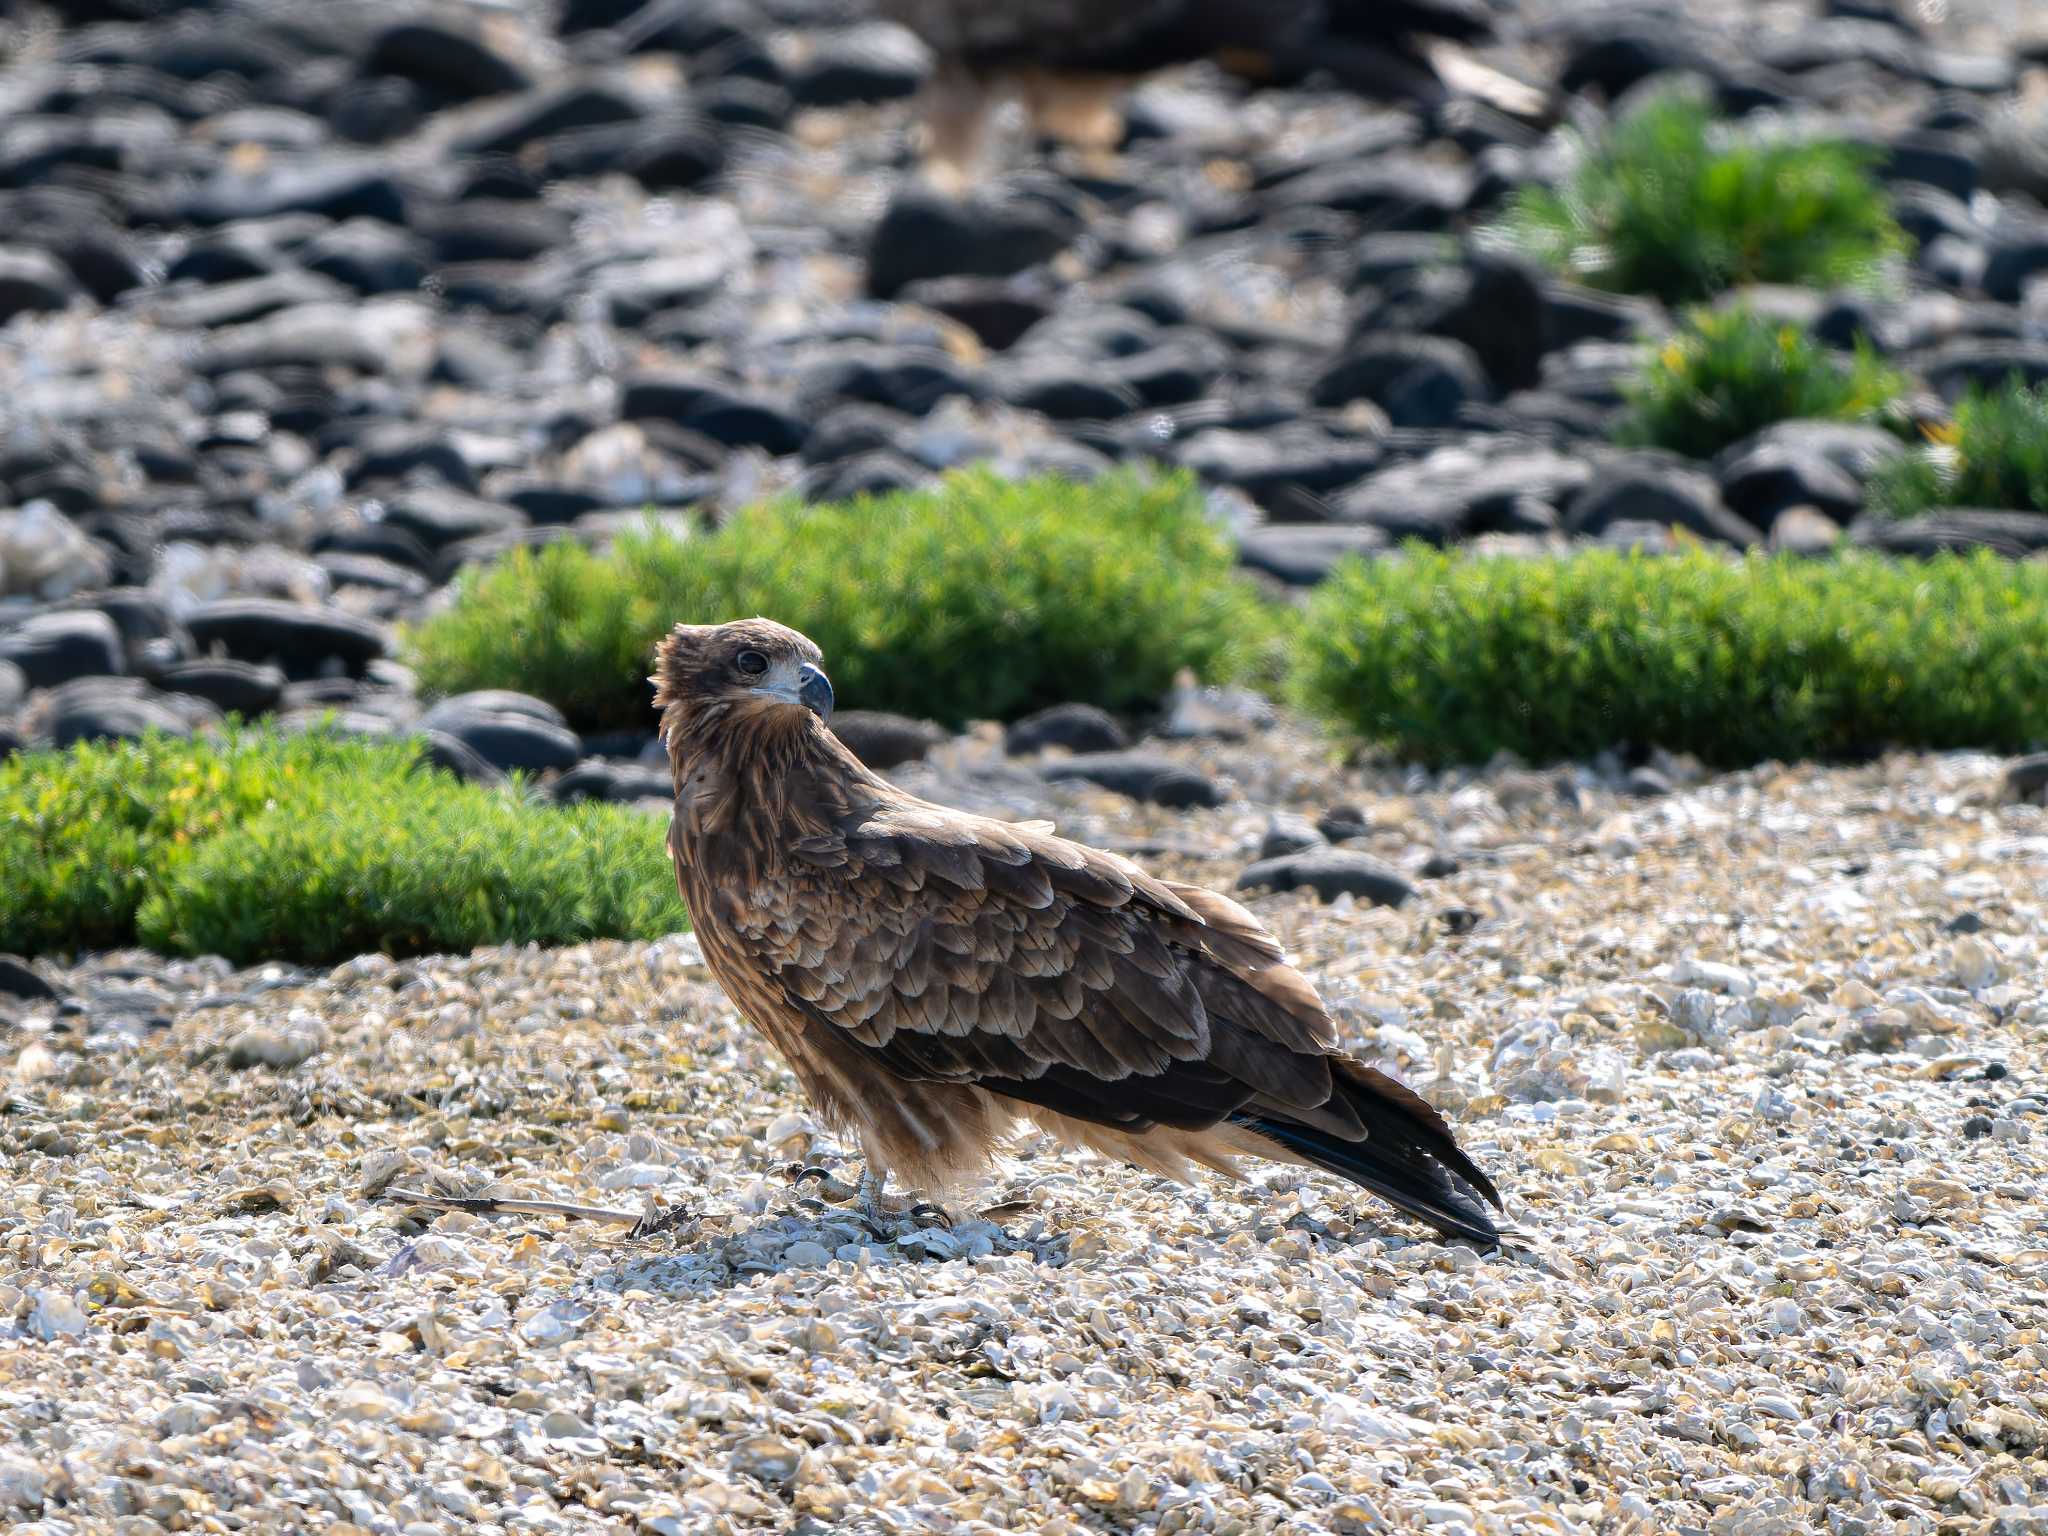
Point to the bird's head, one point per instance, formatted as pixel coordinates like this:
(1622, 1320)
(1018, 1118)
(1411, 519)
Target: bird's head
(714, 677)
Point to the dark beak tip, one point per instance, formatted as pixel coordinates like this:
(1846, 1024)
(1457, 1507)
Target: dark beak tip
(814, 689)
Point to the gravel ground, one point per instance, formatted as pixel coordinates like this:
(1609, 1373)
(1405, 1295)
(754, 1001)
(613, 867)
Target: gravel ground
(1756, 1062)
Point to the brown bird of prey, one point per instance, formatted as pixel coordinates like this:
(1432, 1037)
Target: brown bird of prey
(934, 977)
(1067, 58)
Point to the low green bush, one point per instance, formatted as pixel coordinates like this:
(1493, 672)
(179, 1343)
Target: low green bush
(1994, 454)
(309, 848)
(1676, 204)
(1447, 658)
(981, 599)
(1728, 374)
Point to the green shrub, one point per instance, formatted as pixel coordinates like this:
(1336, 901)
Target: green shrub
(981, 599)
(1732, 373)
(1994, 454)
(1449, 658)
(1676, 205)
(309, 848)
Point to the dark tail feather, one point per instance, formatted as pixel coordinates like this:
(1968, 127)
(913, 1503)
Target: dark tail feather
(1408, 1157)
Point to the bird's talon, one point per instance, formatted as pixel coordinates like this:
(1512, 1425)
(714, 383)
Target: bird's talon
(924, 1209)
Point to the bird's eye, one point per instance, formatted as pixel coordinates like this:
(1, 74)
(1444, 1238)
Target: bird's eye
(753, 663)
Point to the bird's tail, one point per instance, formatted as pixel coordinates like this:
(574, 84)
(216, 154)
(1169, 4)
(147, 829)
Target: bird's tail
(1407, 1156)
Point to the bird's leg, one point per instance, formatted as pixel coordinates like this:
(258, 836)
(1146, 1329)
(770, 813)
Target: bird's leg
(869, 1195)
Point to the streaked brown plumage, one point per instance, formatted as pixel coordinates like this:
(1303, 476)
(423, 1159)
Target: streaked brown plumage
(932, 976)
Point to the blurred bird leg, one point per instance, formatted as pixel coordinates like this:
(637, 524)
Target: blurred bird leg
(956, 108)
(1077, 109)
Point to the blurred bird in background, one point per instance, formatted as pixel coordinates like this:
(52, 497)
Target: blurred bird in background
(1067, 60)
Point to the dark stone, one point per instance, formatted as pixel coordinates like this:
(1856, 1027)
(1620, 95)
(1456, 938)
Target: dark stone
(1342, 821)
(999, 312)
(1330, 873)
(17, 980)
(1765, 481)
(437, 516)
(1419, 381)
(909, 379)
(1139, 775)
(491, 229)
(368, 257)
(31, 281)
(335, 186)
(379, 541)
(1286, 469)
(880, 472)
(616, 783)
(1644, 491)
(119, 709)
(1303, 555)
(304, 640)
(1976, 1127)
(233, 687)
(1964, 922)
(51, 649)
(10, 739)
(455, 62)
(1449, 494)
(722, 413)
(1646, 783)
(1076, 392)
(2014, 258)
(1076, 727)
(1439, 866)
(2014, 534)
(739, 102)
(1951, 368)
(452, 755)
(1496, 305)
(882, 740)
(400, 450)
(546, 112)
(13, 687)
(1393, 191)
(923, 235)
(1574, 314)
(2026, 778)
(850, 430)
(1944, 160)
(1857, 449)
(876, 62)
(507, 730)
(1287, 834)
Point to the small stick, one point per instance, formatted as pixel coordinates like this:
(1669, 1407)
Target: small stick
(643, 1225)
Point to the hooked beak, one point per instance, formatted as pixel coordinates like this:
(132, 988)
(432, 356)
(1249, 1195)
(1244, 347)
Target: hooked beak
(814, 691)
(803, 684)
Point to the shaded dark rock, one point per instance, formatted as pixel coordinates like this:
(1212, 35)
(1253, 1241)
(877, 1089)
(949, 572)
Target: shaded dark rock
(18, 981)
(1857, 449)
(13, 687)
(1951, 368)
(455, 62)
(1341, 821)
(923, 235)
(850, 430)
(1330, 873)
(1947, 161)
(882, 740)
(336, 186)
(1467, 488)
(2026, 778)
(1496, 305)
(909, 379)
(1393, 191)
(378, 541)
(743, 103)
(1074, 392)
(1959, 528)
(999, 312)
(31, 281)
(368, 257)
(142, 617)
(440, 750)
(1646, 783)
(719, 411)
(1076, 727)
(1439, 866)
(880, 472)
(1641, 490)
(1970, 922)
(316, 337)
(546, 112)
(1302, 555)
(402, 450)
(509, 731)
(437, 516)
(51, 649)
(1286, 469)
(615, 783)
(119, 709)
(1286, 834)
(1140, 775)
(248, 298)
(875, 62)
(1419, 381)
(1766, 480)
(2014, 258)
(11, 740)
(492, 229)
(232, 687)
(303, 640)
(1573, 314)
